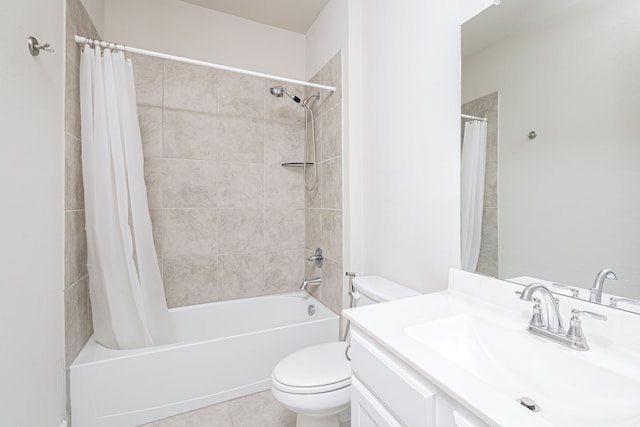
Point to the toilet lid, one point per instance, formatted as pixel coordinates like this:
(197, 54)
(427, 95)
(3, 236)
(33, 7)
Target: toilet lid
(316, 369)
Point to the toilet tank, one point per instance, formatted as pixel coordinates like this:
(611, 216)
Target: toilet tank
(375, 289)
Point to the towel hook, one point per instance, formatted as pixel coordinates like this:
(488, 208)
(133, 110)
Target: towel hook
(35, 47)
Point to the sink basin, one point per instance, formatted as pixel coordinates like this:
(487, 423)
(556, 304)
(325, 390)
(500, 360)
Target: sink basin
(564, 383)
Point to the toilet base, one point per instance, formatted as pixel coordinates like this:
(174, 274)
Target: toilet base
(341, 419)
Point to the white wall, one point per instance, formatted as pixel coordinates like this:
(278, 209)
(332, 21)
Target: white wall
(405, 66)
(183, 29)
(568, 200)
(31, 222)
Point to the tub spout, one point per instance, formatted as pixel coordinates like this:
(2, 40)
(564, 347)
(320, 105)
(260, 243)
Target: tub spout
(306, 283)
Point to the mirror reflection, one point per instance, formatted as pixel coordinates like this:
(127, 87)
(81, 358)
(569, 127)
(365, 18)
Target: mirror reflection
(557, 81)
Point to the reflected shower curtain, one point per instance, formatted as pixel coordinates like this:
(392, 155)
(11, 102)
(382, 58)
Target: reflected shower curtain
(127, 294)
(472, 168)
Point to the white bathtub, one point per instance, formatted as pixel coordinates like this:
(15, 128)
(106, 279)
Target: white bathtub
(224, 350)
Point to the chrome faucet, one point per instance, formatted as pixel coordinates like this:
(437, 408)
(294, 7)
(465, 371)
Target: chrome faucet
(554, 320)
(552, 327)
(596, 290)
(307, 283)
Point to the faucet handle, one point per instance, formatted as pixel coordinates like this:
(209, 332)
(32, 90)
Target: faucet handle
(575, 314)
(575, 292)
(615, 300)
(537, 319)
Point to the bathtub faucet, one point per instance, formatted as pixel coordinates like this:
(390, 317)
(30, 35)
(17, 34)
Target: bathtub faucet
(306, 283)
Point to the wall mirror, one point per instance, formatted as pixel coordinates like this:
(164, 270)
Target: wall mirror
(564, 203)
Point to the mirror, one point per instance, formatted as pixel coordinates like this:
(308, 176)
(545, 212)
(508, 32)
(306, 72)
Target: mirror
(565, 204)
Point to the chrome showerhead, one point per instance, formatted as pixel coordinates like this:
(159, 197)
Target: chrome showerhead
(278, 91)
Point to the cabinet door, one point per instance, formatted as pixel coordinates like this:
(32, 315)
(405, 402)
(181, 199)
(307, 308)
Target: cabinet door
(366, 411)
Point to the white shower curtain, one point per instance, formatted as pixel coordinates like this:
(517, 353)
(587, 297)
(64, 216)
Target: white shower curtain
(127, 294)
(472, 166)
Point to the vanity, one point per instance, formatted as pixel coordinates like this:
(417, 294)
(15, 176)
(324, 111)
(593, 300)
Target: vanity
(464, 358)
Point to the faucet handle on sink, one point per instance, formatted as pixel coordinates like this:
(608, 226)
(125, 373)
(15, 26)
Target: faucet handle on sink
(575, 333)
(575, 292)
(536, 318)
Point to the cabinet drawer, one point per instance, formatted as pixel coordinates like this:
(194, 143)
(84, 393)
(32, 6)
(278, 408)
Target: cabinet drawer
(405, 395)
(366, 411)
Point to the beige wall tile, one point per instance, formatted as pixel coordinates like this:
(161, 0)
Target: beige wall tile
(72, 101)
(153, 181)
(283, 187)
(332, 76)
(313, 198)
(75, 248)
(189, 232)
(190, 87)
(240, 230)
(330, 291)
(211, 416)
(241, 139)
(241, 95)
(150, 120)
(190, 280)
(73, 187)
(240, 185)
(313, 229)
(189, 183)
(260, 409)
(331, 126)
(190, 135)
(283, 142)
(331, 176)
(283, 271)
(332, 234)
(241, 275)
(147, 72)
(284, 229)
(77, 318)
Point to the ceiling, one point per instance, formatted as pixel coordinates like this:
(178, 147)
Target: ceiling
(292, 15)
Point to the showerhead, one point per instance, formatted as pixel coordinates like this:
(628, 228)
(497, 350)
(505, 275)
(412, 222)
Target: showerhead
(278, 91)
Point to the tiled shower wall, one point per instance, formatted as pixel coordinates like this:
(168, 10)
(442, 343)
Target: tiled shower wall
(323, 220)
(487, 106)
(228, 219)
(78, 324)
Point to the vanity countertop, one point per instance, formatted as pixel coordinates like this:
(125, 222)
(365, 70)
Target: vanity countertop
(471, 342)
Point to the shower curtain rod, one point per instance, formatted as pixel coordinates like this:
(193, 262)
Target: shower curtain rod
(466, 116)
(82, 40)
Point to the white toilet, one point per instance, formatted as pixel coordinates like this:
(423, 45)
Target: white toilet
(315, 382)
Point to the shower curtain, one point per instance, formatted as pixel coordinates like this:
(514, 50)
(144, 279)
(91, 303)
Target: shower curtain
(127, 294)
(472, 168)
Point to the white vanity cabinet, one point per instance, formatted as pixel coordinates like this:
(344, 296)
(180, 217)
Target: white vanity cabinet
(386, 392)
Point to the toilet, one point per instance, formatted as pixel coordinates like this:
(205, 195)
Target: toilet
(315, 382)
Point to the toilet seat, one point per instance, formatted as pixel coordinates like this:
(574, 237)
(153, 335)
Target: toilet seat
(317, 369)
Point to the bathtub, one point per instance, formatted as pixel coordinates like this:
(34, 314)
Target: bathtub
(224, 350)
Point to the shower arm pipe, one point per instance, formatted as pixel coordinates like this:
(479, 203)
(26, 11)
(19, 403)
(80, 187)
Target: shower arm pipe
(466, 116)
(128, 49)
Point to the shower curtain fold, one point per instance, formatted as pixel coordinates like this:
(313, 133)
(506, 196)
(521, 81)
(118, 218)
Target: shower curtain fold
(472, 171)
(127, 294)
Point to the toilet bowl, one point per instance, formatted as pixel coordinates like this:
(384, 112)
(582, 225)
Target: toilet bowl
(315, 382)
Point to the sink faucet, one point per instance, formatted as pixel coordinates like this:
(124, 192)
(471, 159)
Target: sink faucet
(552, 328)
(554, 320)
(307, 283)
(596, 290)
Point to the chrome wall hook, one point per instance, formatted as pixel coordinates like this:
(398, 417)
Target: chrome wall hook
(35, 47)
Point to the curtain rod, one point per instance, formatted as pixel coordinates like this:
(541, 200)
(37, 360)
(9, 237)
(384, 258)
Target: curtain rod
(466, 116)
(82, 40)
